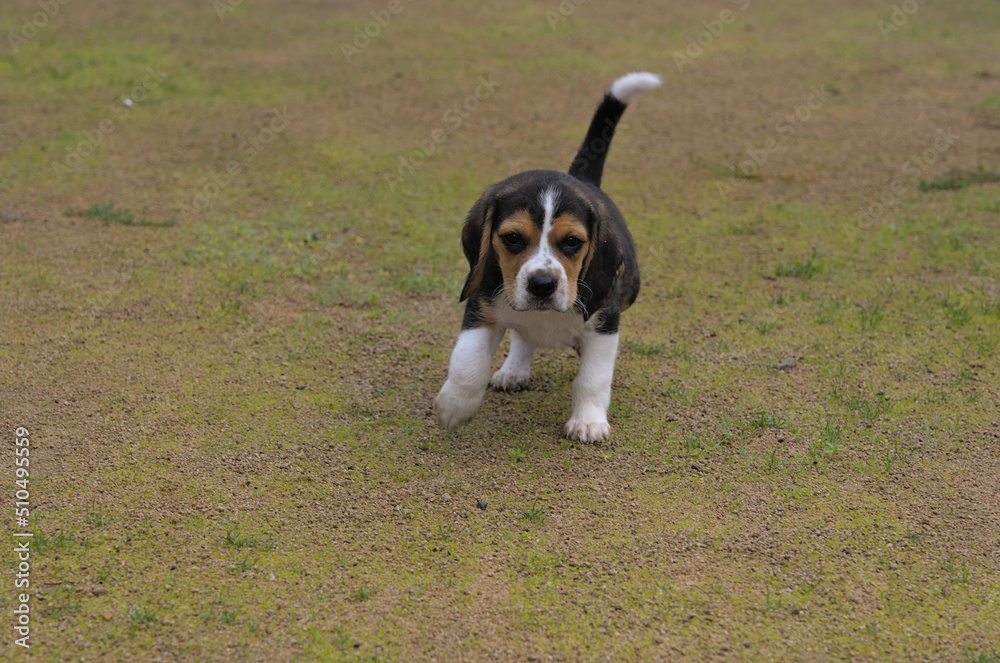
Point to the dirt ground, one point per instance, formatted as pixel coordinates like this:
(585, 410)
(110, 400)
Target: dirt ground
(229, 293)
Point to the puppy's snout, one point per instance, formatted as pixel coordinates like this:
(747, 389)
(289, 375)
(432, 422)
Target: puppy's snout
(542, 285)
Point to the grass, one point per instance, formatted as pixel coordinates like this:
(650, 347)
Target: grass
(958, 314)
(43, 543)
(982, 657)
(143, 617)
(364, 592)
(105, 211)
(235, 539)
(643, 349)
(764, 326)
(518, 452)
(955, 179)
(233, 414)
(827, 441)
(766, 420)
(208, 614)
(770, 603)
(739, 172)
(805, 269)
(97, 518)
(693, 444)
(66, 607)
(243, 565)
(871, 316)
(868, 406)
(534, 514)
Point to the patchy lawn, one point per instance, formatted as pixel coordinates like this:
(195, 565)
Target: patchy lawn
(230, 284)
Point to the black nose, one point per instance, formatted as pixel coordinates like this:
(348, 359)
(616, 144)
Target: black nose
(542, 285)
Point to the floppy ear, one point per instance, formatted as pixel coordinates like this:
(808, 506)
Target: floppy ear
(476, 235)
(603, 265)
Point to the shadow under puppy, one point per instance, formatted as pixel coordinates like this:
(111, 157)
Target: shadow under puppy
(550, 259)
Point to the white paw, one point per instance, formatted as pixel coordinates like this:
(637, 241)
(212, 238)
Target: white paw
(508, 380)
(595, 430)
(454, 407)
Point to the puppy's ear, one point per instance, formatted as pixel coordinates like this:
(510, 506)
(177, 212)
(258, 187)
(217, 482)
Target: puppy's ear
(476, 235)
(604, 263)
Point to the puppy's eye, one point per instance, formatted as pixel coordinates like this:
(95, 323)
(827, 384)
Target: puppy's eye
(513, 241)
(570, 245)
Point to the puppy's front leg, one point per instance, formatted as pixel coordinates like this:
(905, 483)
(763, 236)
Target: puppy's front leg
(592, 388)
(514, 373)
(468, 375)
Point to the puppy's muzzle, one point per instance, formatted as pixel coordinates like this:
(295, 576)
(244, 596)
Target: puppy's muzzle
(542, 285)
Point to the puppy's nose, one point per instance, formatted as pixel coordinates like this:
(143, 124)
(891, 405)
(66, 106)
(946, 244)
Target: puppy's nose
(542, 285)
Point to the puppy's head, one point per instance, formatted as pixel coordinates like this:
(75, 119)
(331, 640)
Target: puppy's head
(535, 237)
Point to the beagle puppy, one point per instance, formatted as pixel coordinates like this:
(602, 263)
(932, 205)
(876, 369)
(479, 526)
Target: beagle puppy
(550, 259)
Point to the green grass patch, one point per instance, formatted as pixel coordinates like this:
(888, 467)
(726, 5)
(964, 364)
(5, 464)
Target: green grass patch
(954, 180)
(105, 211)
(643, 349)
(805, 269)
(534, 513)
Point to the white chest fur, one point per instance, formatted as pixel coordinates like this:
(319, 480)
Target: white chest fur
(543, 328)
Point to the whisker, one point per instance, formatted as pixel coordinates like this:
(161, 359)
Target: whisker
(496, 292)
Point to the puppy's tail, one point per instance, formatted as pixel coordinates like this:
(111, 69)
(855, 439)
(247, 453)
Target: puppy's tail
(589, 162)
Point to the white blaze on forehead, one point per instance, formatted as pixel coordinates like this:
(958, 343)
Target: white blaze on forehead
(550, 198)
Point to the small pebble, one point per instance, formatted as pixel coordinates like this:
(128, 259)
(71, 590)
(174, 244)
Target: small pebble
(786, 364)
(481, 505)
(446, 497)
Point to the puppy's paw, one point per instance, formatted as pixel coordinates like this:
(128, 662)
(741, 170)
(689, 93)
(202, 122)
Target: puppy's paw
(584, 430)
(508, 380)
(454, 407)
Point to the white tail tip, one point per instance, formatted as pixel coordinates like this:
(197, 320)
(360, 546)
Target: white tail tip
(632, 84)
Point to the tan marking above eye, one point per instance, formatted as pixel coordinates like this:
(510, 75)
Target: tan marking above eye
(566, 225)
(520, 223)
